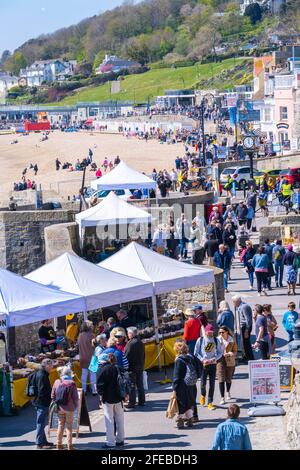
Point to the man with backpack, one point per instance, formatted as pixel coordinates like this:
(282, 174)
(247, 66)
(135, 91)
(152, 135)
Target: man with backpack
(39, 387)
(113, 391)
(208, 350)
(278, 255)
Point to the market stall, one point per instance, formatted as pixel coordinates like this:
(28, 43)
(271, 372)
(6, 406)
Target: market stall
(165, 274)
(123, 177)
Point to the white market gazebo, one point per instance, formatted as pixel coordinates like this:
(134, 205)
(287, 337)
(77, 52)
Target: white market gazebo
(123, 177)
(112, 211)
(164, 273)
(99, 286)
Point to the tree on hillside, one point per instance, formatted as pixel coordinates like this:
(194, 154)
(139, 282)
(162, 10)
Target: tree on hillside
(254, 12)
(15, 63)
(137, 49)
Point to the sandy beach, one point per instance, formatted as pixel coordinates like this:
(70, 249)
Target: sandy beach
(69, 147)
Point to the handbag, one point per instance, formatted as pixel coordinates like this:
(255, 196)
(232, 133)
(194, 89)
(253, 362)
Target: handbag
(53, 408)
(173, 409)
(230, 361)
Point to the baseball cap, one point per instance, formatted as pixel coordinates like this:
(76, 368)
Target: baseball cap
(209, 328)
(197, 307)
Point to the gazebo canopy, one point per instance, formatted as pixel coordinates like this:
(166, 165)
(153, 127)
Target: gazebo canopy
(99, 286)
(23, 301)
(164, 273)
(112, 210)
(123, 177)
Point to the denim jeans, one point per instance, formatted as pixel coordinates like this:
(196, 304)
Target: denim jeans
(225, 274)
(183, 247)
(291, 335)
(251, 277)
(41, 422)
(278, 268)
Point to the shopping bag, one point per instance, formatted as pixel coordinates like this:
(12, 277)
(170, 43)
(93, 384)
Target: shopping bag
(172, 410)
(145, 381)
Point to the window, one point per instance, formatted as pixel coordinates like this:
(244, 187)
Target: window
(283, 113)
(244, 170)
(267, 114)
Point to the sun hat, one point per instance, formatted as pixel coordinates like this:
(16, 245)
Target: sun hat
(189, 312)
(196, 307)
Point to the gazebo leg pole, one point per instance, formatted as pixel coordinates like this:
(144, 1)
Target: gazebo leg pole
(155, 321)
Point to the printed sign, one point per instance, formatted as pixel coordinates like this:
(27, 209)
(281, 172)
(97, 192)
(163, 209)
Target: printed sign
(3, 322)
(286, 372)
(264, 381)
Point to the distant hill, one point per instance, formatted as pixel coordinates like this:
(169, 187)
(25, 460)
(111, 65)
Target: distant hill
(155, 30)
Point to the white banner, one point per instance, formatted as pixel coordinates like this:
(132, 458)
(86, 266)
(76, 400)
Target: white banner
(264, 381)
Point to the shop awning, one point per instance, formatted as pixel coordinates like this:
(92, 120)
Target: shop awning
(99, 286)
(164, 273)
(23, 301)
(123, 177)
(112, 211)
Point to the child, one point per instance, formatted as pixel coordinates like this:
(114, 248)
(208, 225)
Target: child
(289, 319)
(61, 340)
(208, 350)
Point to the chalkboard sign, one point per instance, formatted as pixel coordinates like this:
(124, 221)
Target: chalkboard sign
(80, 418)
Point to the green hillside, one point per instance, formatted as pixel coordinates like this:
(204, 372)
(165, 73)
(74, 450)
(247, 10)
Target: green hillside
(141, 87)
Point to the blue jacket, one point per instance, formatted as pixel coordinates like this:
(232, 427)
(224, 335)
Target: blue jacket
(226, 319)
(231, 435)
(260, 262)
(222, 263)
(122, 360)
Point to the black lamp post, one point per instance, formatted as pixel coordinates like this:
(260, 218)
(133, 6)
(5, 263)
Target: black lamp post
(202, 109)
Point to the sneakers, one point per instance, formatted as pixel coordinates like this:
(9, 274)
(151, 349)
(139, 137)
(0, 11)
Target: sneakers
(195, 419)
(222, 402)
(189, 423)
(228, 396)
(260, 294)
(202, 400)
(46, 446)
(120, 444)
(251, 288)
(211, 406)
(264, 292)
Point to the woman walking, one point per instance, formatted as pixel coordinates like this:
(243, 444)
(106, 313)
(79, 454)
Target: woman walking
(290, 261)
(272, 325)
(246, 258)
(112, 399)
(184, 393)
(226, 365)
(86, 351)
(260, 263)
(65, 392)
(261, 331)
(225, 316)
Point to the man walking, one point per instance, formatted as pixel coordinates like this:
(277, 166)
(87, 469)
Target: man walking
(232, 435)
(222, 260)
(135, 353)
(278, 255)
(42, 401)
(245, 314)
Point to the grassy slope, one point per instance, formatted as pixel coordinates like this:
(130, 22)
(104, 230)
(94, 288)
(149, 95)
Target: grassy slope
(153, 83)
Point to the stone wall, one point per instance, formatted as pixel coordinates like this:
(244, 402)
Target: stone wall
(277, 231)
(60, 239)
(293, 415)
(22, 244)
(204, 295)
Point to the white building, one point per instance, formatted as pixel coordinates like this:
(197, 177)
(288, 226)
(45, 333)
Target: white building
(7, 82)
(48, 71)
(274, 6)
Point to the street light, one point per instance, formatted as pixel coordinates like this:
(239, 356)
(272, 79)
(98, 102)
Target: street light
(204, 100)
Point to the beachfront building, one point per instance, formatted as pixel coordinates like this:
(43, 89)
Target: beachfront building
(48, 71)
(173, 98)
(113, 64)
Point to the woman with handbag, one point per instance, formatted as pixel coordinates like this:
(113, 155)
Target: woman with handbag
(226, 365)
(246, 258)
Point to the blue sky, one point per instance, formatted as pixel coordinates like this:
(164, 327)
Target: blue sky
(25, 19)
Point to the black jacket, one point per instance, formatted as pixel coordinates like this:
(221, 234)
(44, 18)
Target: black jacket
(241, 212)
(125, 323)
(107, 384)
(184, 393)
(211, 247)
(226, 238)
(43, 387)
(135, 353)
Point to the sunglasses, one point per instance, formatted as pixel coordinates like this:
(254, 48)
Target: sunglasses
(222, 332)
(117, 336)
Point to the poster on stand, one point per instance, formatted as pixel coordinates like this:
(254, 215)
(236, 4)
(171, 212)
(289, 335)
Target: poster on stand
(264, 381)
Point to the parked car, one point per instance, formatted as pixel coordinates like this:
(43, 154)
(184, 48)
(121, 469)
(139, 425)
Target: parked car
(242, 172)
(89, 193)
(271, 174)
(292, 175)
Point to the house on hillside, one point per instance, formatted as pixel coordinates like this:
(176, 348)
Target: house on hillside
(48, 71)
(114, 64)
(274, 6)
(7, 81)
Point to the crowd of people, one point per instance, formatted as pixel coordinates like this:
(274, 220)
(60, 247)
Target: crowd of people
(25, 182)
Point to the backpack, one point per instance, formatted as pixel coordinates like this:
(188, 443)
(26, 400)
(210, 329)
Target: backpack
(31, 387)
(191, 375)
(278, 255)
(123, 383)
(62, 394)
(296, 263)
